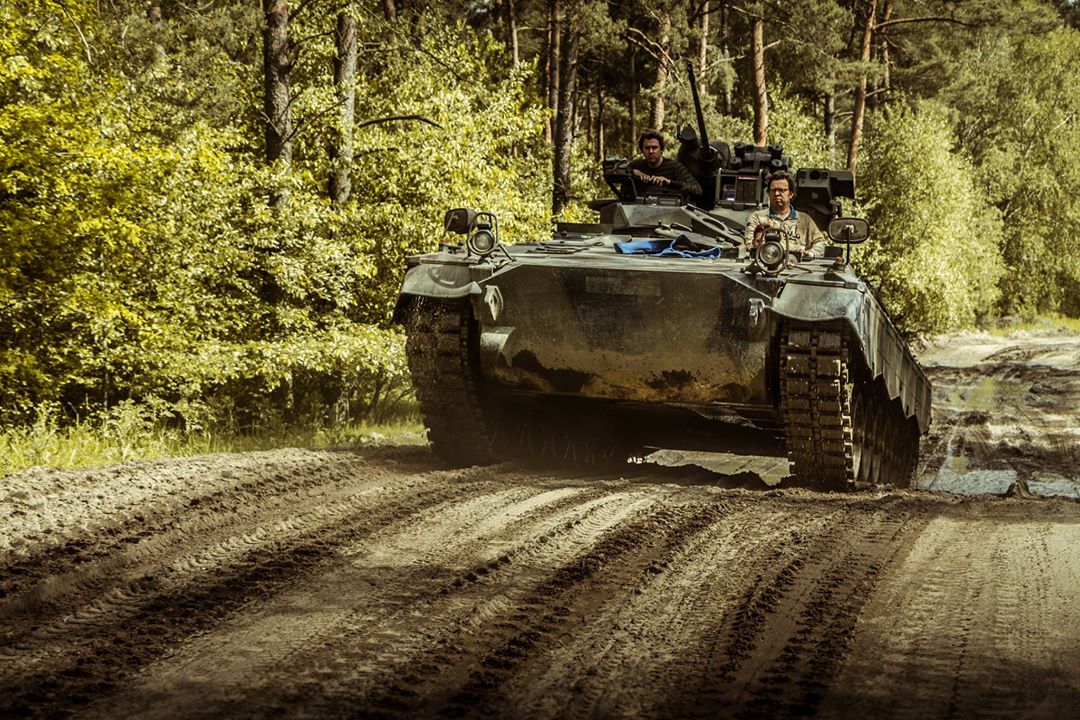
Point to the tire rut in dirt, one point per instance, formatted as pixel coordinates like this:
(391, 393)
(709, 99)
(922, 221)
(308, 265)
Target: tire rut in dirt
(71, 659)
(748, 621)
(484, 661)
(49, 584)
(939, 640)
(792, 628)
(373, 609)
(639, 651)
(400, 639)
(215, 485)
(467, 674)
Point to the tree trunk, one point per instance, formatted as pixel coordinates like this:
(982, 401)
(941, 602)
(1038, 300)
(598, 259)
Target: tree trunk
(703, 50)
(564, 125)
(590, 118)
(512, 32)
(632, 108)
(725, 26)
(277, 64)
(153, 14)
(859, 109)
(554, 64)
(600, 123)
(389, 9)
(656, 110)
(886, 79)
(871, 83)
(761, 100)
(341, 144)
(829, 123)
(543, 77)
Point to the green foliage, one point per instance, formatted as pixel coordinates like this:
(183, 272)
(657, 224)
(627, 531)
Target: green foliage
(1020, 126)
(357, 372)
(934, 251)
(148, 273)
(124, 432)
(811, 37)
(146, 262)
(468, 135)
(929, 57)
(793, 125)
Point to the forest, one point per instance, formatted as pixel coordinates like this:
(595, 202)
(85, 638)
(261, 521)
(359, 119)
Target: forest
(206, 206)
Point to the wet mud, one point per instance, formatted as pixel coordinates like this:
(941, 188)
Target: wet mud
(380, 583)
(1005, 415)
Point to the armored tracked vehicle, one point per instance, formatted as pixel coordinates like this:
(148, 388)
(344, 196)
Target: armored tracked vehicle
(656, 327)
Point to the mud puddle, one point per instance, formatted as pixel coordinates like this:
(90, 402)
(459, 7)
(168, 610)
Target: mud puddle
(1005, 415)
(1006, 422)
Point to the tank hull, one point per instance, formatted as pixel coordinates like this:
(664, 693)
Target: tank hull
(571, 342)
(622, 332)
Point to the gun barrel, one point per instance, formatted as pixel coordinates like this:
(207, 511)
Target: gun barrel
(706, 150)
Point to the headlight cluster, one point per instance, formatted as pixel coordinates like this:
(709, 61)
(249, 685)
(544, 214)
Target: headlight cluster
(480, 228)
(483, 241)
(771, 255)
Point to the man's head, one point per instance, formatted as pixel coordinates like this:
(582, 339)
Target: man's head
(651, 145)
(781, 188)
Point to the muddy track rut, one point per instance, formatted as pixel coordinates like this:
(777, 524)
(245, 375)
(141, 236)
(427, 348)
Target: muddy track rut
(379, 583)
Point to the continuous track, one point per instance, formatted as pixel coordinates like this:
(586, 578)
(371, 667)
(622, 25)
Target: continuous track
(445, 371)
(467, 427)
(841, 430)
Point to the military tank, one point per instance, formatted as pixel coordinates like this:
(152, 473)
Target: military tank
(656, 327)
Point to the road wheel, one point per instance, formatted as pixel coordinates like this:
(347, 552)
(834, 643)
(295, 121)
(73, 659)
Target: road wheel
(862, 431)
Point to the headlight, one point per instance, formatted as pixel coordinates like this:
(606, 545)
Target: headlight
(770, 255)
(482, 242)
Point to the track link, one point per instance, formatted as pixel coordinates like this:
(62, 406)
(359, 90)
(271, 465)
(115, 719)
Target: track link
(815, 397)
(446, 375)
(842, 431)
(467, 427)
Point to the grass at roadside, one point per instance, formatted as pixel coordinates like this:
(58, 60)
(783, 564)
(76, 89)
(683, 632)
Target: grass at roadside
(92, 444)
(1005, 326)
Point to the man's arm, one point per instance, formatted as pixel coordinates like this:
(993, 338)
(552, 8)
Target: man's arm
(751, 224)
(815, 240)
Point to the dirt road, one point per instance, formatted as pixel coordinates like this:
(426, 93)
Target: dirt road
(376, 583)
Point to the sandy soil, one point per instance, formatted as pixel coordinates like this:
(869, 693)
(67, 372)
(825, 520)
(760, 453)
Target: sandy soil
(377, 583)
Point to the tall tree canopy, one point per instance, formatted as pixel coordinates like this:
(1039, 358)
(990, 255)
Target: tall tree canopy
(205, 209)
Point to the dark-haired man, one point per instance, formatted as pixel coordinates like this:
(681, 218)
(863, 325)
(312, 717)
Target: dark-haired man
(655, 170)
(800, 230)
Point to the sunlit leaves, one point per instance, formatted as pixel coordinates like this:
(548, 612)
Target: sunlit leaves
(144, 259)
(935, 248)
(1019, 117)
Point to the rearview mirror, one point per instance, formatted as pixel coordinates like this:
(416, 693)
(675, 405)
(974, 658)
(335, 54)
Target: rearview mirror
(849, 231)
(459, 220)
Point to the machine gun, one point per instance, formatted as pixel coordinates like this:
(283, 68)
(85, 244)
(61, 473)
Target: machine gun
(733, 176)
(702, 158)
(730, 177)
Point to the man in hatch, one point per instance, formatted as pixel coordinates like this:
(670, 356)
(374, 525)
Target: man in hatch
(656, 171)
(802, 234)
